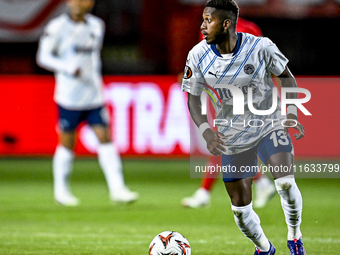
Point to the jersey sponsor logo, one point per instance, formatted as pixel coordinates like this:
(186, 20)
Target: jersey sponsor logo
(83, 49)
(225, 93)
(187, 72)
(249, 69)
(252, 85)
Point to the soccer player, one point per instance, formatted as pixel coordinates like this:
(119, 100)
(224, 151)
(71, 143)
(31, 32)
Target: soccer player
(70, 47)
(246, 62)
(263, 186)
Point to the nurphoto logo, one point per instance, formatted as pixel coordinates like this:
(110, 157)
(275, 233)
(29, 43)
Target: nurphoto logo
(238, 99)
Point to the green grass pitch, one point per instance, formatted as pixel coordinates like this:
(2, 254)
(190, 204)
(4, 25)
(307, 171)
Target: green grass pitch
(31, 222)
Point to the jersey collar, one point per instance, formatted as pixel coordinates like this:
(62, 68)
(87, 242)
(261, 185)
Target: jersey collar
(213, 46)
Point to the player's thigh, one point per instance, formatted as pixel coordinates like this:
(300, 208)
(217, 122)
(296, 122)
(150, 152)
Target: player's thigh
(239, 166)
(277, 152)
(102, 133)
(98, 120)
(282, 164)
(238, 172)
(68, 121)
(67, 139)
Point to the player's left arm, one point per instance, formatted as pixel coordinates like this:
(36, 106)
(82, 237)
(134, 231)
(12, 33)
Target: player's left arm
(287, 80)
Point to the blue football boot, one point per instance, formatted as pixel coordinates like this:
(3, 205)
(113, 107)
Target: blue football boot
(296, 247)
(270, 252)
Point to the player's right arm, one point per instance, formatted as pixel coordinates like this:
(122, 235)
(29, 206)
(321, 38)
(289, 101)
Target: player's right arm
(48, 53)
(213, 139)
(192, 80)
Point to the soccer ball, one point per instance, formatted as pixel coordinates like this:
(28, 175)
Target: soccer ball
(169, 243)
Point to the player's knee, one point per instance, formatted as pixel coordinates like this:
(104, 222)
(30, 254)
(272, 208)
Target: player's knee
(104, 140)
(288, 190)
(240, 201)
(285, 183)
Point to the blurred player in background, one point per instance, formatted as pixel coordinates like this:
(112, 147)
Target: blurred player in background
(70, 47)
(264, 187)
(247, 62)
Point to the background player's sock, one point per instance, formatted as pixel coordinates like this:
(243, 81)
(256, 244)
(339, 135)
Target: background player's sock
(264, 190)
(210, 178)
(249, 224)
(291, 201)
(208, 183)
(111, 165)
(62, 166)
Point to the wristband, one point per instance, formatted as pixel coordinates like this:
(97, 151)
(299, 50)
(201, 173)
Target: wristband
(292, 109)
(204, 126)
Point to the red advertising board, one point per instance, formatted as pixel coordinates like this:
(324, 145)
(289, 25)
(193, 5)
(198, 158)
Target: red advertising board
(148, 115)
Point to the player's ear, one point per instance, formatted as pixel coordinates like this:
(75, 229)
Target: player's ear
(226, 24)
(91, 3)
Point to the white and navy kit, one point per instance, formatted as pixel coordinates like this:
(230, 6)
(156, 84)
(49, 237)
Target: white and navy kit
(250, 65)
(67, 46)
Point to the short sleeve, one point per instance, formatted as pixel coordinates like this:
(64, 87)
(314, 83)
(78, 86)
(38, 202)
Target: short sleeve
(193, 79)
(48, 55)
(276, 62)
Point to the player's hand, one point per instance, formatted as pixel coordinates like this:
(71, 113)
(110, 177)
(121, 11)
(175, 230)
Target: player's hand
(214, 142)
(298, 127)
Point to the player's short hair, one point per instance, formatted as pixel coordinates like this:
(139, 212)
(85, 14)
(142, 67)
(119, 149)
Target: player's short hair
(229, 9)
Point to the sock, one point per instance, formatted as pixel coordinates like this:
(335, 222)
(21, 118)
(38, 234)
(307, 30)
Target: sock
(291, 202)
(249, 224)
(258, 176)
(210, 178)
(111, 165)
(208, 183)
(62, 166)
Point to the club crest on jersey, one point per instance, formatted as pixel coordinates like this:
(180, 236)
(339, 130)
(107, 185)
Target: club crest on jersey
(249, 69)
(187, 72)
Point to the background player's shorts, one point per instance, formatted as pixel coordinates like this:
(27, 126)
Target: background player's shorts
(244, 164)
(69, 120)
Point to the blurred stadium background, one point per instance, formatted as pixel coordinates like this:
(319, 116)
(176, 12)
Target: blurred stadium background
(145, 49)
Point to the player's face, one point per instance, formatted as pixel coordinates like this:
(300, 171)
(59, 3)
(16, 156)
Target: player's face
(80, 7)
(212, 26)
